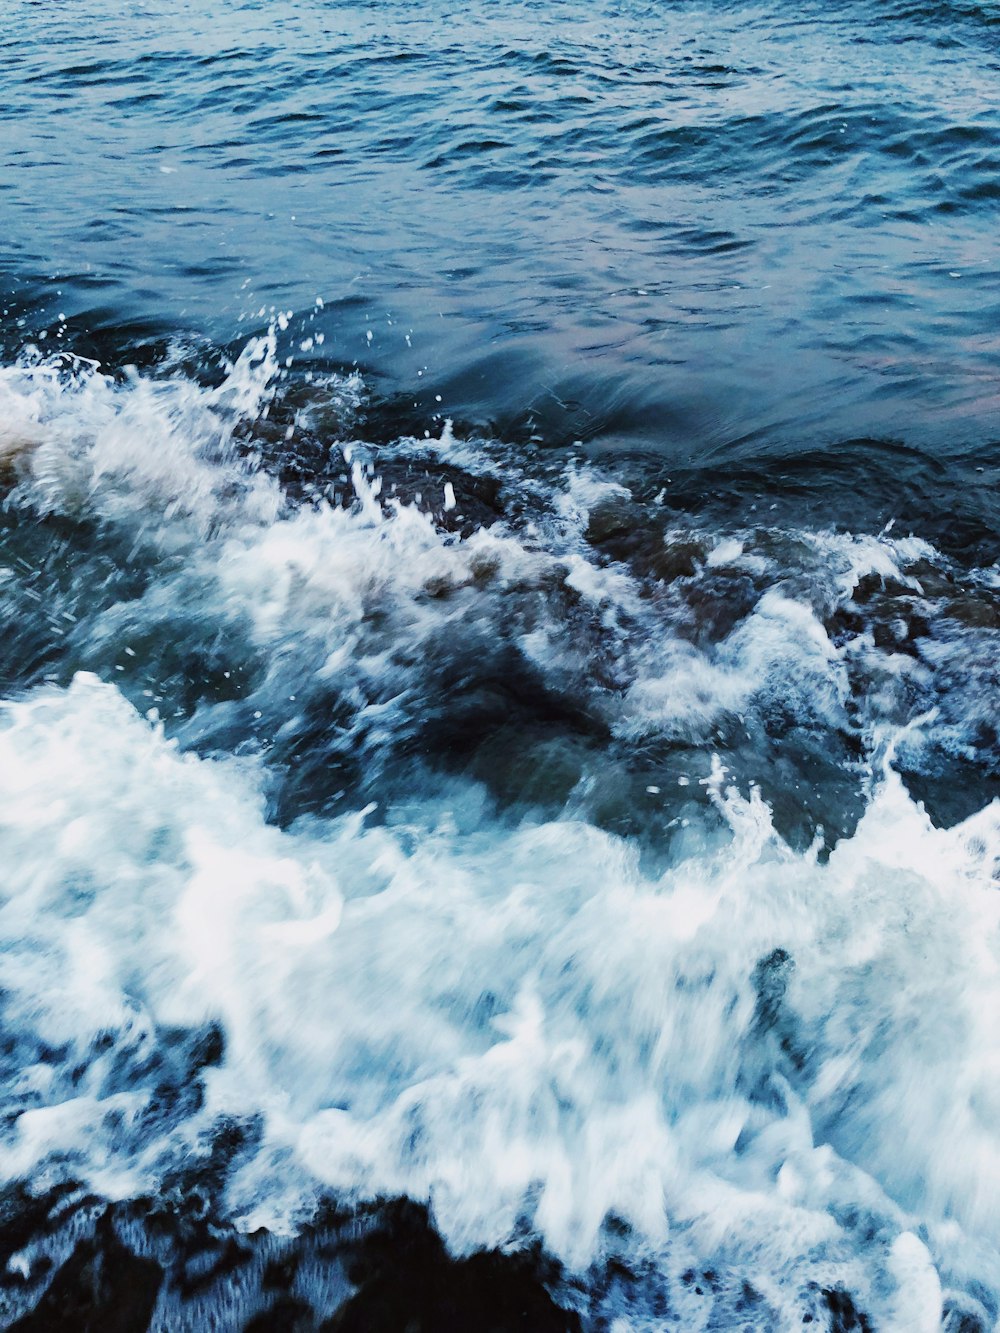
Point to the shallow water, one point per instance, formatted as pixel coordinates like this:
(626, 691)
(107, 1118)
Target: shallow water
(501, 608)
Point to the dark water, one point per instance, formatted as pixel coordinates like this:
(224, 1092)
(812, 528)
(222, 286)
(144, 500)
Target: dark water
(500, 743)
(704, 230)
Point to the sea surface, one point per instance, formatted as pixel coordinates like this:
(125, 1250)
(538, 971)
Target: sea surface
(500, 666)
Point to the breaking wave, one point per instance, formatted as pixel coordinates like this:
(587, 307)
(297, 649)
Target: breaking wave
(435, 827)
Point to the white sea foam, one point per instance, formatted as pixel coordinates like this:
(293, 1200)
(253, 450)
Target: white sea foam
(519, 1026)
(154, 454)
(757, 1060)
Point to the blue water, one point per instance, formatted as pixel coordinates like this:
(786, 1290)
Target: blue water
(688, 227)
(501, 607)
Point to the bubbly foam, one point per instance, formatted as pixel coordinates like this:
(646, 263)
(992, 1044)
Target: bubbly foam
(754, 1057)
(751, 1051)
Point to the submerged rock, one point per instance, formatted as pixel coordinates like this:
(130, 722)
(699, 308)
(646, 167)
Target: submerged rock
(103, 1287)
(133, 1267)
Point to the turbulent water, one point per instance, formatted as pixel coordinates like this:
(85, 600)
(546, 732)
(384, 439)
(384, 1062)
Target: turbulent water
(500, 731)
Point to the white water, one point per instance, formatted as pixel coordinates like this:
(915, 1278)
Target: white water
(520, 1023)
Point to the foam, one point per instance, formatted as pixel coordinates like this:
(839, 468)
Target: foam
(299, 590)
(782, 1067)
(519, 1026)
(101, 448)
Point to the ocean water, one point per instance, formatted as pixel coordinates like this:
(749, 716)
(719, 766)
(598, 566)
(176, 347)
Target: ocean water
(500, 671)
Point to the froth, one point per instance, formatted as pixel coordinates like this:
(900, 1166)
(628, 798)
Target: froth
(154, 449)
(751, 1057)
(518, 1025)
